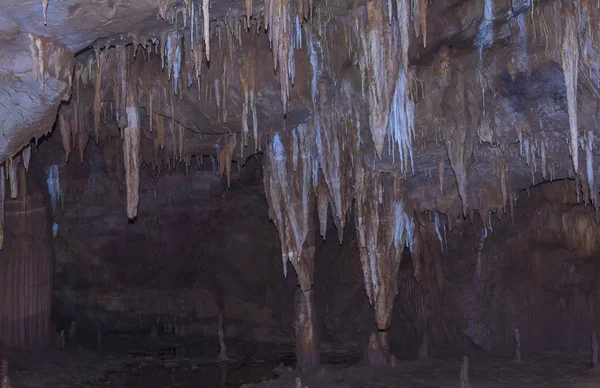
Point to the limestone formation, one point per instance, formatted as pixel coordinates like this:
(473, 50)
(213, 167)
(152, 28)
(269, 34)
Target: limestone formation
(517, 346)
(464, 374)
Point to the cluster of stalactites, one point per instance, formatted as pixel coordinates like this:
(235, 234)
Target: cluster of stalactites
(288, 183)
(384, 226)
(335, 140)
(131, 153)
(580, 50)
(248, 83)
(47, 56)
(283, 37)
(391, 103)
(12, 165)
(199, 20)
(575, 44)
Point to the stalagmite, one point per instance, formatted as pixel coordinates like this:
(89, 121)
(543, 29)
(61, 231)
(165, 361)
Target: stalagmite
(131, 151)
(594, 350)
(570, 65)
(517, 345)
(5, 383)
(221, 335)
(424, 348)
(464, 374)
(2, 199)
(13, 164)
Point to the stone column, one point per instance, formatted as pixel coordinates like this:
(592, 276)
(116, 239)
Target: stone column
(383, 227)
(305, 325)
(289, 188)
(26, 268)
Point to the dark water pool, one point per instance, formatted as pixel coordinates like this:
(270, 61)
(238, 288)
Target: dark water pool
(201, 376)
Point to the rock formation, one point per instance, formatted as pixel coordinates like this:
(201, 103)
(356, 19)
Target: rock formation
(405, 120)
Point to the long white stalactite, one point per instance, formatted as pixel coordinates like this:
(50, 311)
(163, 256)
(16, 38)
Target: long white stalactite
(131, 153)
(570, 65)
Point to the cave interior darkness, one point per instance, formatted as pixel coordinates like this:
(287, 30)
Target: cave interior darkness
(306, 193)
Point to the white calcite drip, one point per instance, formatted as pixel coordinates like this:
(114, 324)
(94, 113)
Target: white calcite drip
(53, 183)
(131, 154)
(289, 190)
(278, 20)
(384, 227)
(570, 65)
(401, 129)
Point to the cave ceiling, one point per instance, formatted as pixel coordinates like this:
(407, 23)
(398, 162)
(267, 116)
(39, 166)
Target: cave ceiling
(444, 106)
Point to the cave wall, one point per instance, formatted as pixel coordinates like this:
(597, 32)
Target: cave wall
(537, 271)
(26, 265)
(194, 246)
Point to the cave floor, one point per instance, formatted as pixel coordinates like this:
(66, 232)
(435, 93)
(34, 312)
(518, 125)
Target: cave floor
(128, 362)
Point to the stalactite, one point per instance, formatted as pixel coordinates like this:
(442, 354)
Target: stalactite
(330, 132)
(423, 15)
(83, 136)
(570, 65)
(245, 100)
(225, 157)
(13, 164)
(206, 21)
(383, 227)
(45, 11)
(101, 58)
(401, 129)
(160, 130)
(441, 173)
(180, 133)
(322, 208)
(249, 11)
(503, 188)
(590, 168)
(122, 76)
(26, 155)
(289, 190)
(289, 194)
(131, 151)
(39, 59)
(543, 157)
(280, 33)
(380, 63)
